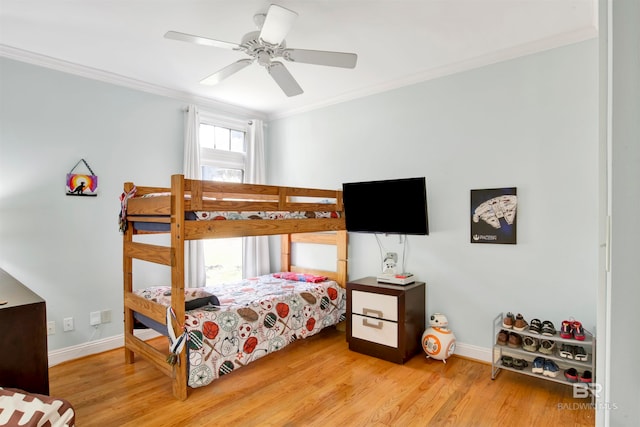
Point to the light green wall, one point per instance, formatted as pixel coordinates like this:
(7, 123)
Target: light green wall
(68, 249)
(530, 123)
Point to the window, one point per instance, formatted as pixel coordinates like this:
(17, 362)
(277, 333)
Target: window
(222, 158)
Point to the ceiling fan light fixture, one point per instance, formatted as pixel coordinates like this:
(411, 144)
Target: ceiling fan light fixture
(277, 24)
(264, 59)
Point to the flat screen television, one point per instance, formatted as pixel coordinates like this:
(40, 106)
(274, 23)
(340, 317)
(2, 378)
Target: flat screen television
(395, 206)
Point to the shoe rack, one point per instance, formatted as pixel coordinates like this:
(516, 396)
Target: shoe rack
(589, 345)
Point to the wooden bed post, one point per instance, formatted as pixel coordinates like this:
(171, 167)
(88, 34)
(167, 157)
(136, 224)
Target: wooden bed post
(127, 269)
(285, 252)
(343, 256)
(177, 281)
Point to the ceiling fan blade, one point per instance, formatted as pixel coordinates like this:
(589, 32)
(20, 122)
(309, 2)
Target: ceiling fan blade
(284, 79)
(277, 24)
(321, 57)
(175, 35)
(227, 71)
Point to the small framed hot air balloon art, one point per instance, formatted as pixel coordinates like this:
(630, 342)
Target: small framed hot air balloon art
(78, 184)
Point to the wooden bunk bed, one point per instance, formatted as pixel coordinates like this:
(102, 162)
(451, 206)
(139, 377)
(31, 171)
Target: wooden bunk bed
(155, 210)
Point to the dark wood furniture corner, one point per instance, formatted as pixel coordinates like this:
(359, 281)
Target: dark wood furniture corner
(384, 320)
(24, 360)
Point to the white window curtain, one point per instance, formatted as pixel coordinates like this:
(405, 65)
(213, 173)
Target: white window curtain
(194, 273)
(256, 248)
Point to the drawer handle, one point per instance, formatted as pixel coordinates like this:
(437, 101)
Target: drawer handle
(370, 311)
(365, 322)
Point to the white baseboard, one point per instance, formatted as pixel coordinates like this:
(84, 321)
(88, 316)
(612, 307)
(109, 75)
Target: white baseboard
(481, 354)
(56, 357)
(93, 347)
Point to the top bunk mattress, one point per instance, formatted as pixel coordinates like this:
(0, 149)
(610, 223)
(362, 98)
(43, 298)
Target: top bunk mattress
(233, 216)
(150, 212)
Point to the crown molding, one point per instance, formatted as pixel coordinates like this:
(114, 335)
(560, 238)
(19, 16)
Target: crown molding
(449, 69)
(116, 79)
(243, 113)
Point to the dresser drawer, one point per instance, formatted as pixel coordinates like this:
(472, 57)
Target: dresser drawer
(374, 330)
(374, 305)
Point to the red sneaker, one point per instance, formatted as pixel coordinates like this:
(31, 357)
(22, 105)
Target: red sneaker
(578, 331)
(566, 330)
(586, 377)
(571, 375)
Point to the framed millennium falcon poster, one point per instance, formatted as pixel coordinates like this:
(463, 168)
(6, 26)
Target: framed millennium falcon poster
(494, 215)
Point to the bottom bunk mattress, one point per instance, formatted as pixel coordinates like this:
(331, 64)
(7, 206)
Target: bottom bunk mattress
(255, 317)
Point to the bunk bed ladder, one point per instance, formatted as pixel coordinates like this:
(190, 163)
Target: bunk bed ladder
(172, 256)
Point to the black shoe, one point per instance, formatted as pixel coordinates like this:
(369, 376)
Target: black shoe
(535, 327)
(567, 351)
(580, 354)
(571, 375)
(507, 361)
(548, 329)
(585, 377)
(520, 364)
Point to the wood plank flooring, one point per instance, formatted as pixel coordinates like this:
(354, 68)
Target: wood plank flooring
(316, 382)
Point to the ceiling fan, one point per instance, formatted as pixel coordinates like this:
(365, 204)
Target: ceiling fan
(266, 45)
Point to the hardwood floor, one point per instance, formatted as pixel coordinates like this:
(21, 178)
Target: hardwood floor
(316, 382)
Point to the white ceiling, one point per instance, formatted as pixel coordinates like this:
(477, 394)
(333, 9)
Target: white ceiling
(398, 42)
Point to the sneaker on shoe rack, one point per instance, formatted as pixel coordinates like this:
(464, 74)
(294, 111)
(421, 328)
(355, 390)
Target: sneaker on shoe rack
(535, 327)
(520, 324)
(566, 330)
(515, 340)
(578, 331)
(503, 337)
(530, 343)
(538, 365)
(547, 347)
(567, 351)
(548, 329)
(508, 320)
(550, 368)
(580, 354)
(520, 364)
(507, 361)
(571, 375)
(586, 377)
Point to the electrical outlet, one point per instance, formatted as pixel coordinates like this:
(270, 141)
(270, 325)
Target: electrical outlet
(95, 318)
(105, 316)
(67, 324)
(391, 256)
(51, 327)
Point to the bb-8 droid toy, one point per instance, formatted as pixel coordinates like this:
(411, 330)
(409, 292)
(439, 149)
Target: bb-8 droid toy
(438, 341)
